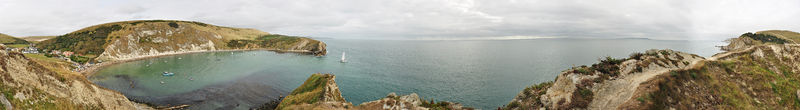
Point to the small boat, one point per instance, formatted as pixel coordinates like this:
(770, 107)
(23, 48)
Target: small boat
(168, 74)
(343, 58)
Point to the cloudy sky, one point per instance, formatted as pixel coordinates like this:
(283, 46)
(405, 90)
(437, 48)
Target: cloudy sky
(423, 19)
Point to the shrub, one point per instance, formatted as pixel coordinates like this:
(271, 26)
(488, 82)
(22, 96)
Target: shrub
(583, 70)
(765, 38)
(79, 59)
(636, 55)
(580, 99)
(173, 25)
(433, 105)
(513, 104)
(608, 65)
(640, 99)
(665, 53)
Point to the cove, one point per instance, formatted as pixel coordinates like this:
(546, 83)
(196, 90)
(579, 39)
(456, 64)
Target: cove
(477, 73)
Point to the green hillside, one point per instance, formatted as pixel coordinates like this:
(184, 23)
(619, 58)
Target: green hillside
(132, 38)
(10, 40)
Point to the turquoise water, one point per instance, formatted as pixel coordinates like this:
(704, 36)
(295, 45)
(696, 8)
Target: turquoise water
(481, 74)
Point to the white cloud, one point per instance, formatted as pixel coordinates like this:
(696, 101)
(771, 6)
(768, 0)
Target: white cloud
(411, 19)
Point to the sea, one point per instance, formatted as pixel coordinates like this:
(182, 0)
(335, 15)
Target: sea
(483, 74)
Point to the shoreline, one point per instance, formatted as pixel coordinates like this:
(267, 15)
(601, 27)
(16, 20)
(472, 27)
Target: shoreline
(90, 71)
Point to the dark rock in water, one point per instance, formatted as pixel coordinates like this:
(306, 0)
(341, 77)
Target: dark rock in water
(244, 93)
(271, 105)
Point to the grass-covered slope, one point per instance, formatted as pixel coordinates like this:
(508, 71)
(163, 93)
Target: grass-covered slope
(10, 40)
(762, 78)
(760, 75)
(144, 38)
(82, 42)
(38, 84)
(317, 89)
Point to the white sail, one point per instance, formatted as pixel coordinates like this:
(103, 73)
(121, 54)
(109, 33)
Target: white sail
(343, 57)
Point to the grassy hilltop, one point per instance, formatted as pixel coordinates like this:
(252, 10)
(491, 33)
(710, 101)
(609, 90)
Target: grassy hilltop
(12, 41)
(135, 39)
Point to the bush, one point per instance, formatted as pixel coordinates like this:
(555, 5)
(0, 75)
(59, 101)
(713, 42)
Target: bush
(513, 104)
(583, 70)
(664, 53)
(765, 38)
(79, 59)
(173, 25)
(433, 105)
(636, 55)
(673, 73)
(608, 65)
(580, 99)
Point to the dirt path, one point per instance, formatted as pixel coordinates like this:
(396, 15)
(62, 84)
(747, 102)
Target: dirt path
(614, 93)
(617, 92)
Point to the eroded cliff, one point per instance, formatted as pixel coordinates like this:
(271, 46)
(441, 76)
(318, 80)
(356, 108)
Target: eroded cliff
(27, 84)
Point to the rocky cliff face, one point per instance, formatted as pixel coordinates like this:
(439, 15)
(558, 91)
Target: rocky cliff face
(28, 85)
(760, 77)
(137, 39)
(600, 86)
(320, 92)
(757, 71)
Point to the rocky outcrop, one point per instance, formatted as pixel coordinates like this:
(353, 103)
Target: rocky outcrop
(408, 102)
(32, 86)
(320, 92)
(602, 86)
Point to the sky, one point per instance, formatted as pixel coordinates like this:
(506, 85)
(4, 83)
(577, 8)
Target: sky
(423, 19)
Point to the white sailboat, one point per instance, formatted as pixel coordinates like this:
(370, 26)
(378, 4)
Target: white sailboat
(343, 58)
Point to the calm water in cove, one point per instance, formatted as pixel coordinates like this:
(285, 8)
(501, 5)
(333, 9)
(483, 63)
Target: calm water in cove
(480, 74)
